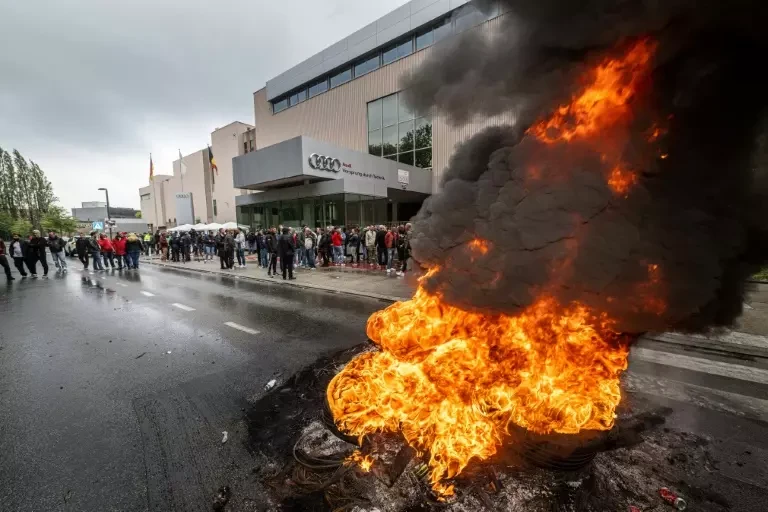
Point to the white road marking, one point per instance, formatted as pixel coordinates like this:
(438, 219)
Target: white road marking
(148, 294)
(734, 371)
(122, 284)
(241, 328)
(182, 306)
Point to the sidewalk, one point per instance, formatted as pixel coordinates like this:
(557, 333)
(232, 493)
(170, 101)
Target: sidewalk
(375, 284)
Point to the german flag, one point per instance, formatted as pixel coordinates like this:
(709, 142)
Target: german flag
(212, 161)
(151, 169)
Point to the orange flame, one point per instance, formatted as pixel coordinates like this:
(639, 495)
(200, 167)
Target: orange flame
(480, 245)
(621, 180)
(364, 462)
(603, 102)
(452, 381)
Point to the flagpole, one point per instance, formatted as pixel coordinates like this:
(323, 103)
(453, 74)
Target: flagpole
(181, 170)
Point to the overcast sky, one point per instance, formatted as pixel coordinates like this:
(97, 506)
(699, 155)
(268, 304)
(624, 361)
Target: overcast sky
(88, 88)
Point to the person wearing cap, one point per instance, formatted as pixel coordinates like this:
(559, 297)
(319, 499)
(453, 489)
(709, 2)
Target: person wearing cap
(36, 252)
(4, 261)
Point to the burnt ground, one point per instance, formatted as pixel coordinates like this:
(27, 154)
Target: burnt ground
(652, 446)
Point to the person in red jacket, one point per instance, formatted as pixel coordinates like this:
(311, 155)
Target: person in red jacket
(107, 250)
(119, 245)
(338, 255)
(390, 241)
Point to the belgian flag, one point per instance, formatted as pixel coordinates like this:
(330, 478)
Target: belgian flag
(212, 161)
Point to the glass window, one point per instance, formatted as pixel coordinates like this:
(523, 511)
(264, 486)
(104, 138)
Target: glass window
(298, 97)
(391, 157)
(389, 140)
(405, 133)
(424, 40)
(278, 106)
(341, 78)
(318, 87)
(374, 142)
(443, 30)
(389, 110)
(367, 65)
(424, 158)
(215, 210)
(405, 158)
(389, 55)
(404, 113)
(405, 48)
(374, 115)
(423, 131)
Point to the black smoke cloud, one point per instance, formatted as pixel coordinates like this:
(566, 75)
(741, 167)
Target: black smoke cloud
(675, 251)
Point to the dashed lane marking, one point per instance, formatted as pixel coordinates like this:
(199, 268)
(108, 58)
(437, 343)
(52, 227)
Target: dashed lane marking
(182, 306)
(241, 328)
(148, 294)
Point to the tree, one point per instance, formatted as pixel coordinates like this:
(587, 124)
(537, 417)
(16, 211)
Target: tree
(138, 215)
(23, 227)
(57, 219)
(6, 224)
(25, 192)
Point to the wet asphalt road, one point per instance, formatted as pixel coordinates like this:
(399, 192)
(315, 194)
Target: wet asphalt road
(113, 398)
(115, 388)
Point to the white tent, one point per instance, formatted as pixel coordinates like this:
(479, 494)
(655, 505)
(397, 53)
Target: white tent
(183, 227)
(230, 225)
(213, 227)
(199, 227)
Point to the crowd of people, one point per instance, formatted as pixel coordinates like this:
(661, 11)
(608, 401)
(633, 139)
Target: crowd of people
(377, 247)
(28, 252)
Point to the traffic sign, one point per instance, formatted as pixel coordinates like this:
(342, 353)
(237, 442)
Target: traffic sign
(98, 226)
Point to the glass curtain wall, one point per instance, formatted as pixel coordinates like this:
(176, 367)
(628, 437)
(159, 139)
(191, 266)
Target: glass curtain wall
(333, 210)
(395, 133)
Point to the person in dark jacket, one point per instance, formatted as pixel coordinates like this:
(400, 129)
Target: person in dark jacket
(134, 247)
(56, 244)
(272, 248)
(81, 246)
(4, 261)
(229, 248)
(286, 248)
(261, 247)
(186, 246)
(18, 251)
(95, 250)
(353, 246)
(36, 252)
(175, 247)
(381, 246)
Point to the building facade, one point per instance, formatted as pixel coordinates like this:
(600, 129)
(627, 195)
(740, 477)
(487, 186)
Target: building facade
(345, 104)
(212, 191)
(96, 212)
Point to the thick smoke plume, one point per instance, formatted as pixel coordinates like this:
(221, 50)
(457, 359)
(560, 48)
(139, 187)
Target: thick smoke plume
(519, 217)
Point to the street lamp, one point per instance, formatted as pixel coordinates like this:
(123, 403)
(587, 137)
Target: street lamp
(109, 217)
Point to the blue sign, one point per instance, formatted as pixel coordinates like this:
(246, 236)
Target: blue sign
(98, 226)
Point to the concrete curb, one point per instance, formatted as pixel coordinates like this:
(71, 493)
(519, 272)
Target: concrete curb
(388, 298)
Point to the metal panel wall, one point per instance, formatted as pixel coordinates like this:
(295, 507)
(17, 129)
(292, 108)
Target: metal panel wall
(340, 115)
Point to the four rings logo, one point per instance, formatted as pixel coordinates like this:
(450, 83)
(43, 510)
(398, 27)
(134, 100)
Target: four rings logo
(324, 163)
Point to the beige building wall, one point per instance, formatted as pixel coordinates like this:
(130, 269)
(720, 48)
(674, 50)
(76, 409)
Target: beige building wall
(226, 143)
(340, 115)
(153, 200)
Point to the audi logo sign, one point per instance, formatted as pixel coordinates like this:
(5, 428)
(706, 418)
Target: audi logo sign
(324, 163)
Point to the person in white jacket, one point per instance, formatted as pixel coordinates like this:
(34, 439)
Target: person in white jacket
(240, 248)
(370, 244)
